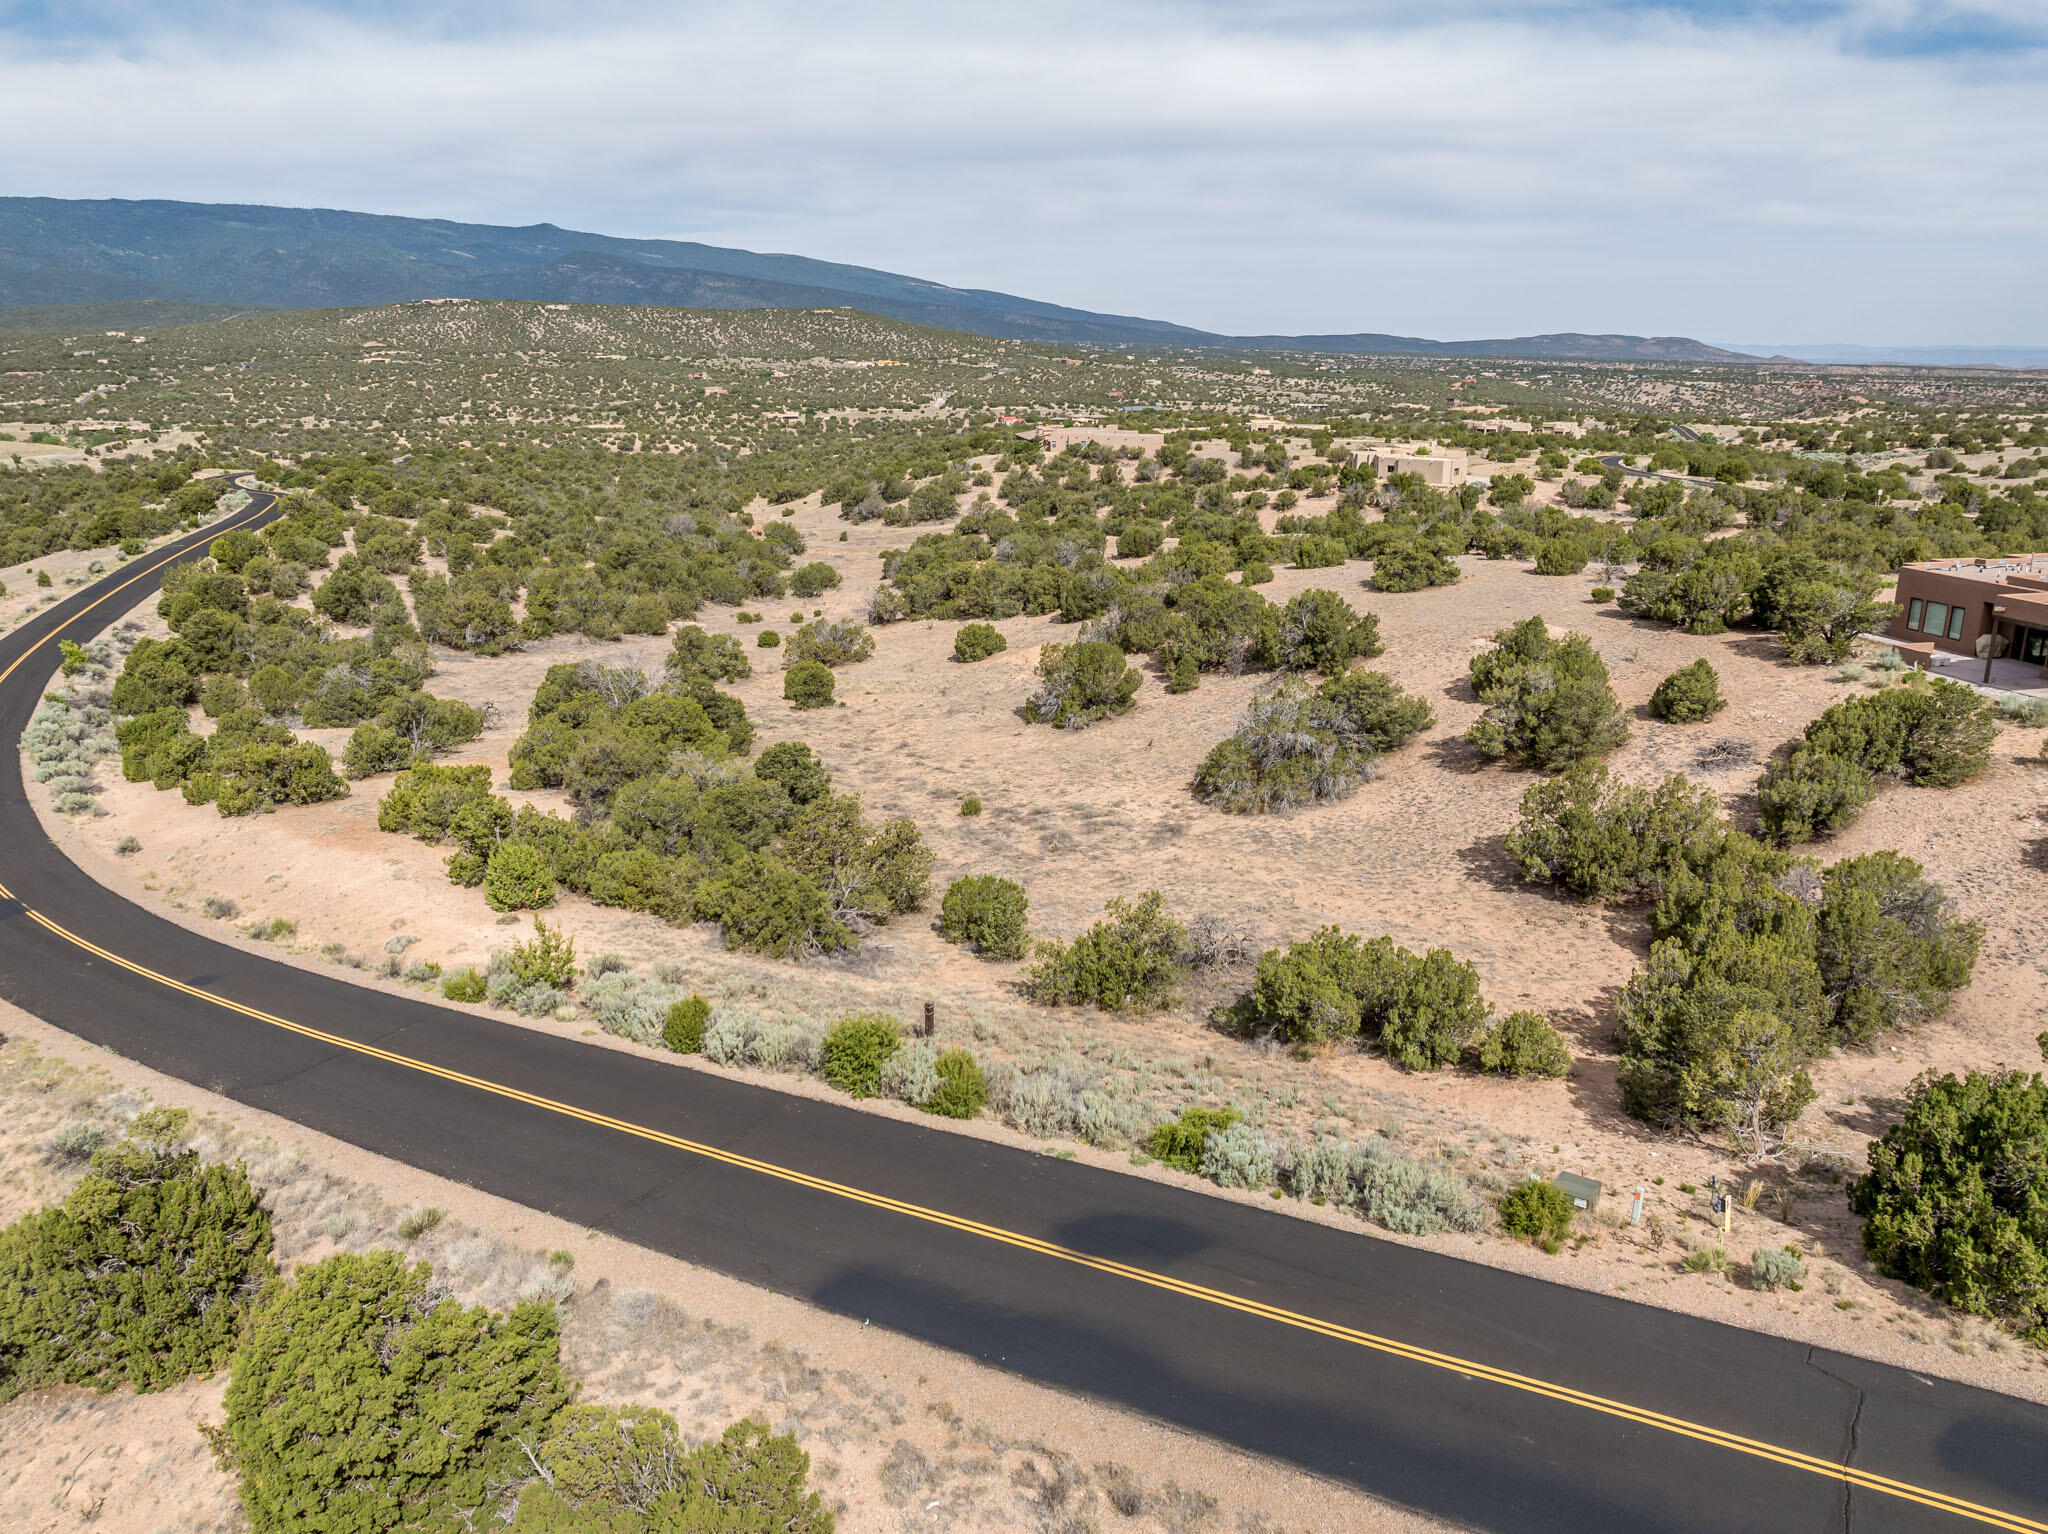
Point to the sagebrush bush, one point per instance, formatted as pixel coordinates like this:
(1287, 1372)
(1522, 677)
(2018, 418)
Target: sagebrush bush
(1540, 1211)
(1239, 1156)
(987, 912)
(1777, 1267)
(1135, 957)
(142, 1276)
(1689, 695)
(855, 1049)
(978, 641)
(1524, 1044)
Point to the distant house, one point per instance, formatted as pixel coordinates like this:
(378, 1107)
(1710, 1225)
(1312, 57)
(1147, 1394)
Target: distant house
(1949, 604)
(1432, 469)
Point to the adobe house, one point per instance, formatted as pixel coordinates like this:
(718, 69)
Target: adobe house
(1949, 604)
(1441, 469)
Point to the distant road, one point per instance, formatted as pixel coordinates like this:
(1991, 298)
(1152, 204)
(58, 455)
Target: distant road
(1485, 1398)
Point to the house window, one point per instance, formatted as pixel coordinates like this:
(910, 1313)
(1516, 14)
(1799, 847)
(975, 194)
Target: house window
(1937, 619)
(1955, 622)
(1913, 611)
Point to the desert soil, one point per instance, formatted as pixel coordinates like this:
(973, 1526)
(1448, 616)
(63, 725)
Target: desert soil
(1079, 817)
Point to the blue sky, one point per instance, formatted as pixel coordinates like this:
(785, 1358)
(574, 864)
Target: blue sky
(1818, 170)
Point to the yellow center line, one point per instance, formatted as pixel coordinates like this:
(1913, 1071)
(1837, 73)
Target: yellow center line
(1717, 1437)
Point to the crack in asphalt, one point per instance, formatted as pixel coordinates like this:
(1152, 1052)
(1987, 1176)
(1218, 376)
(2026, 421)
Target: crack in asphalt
(1851, 1437)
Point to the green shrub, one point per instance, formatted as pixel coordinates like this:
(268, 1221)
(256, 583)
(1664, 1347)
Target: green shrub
(1953, 1201)
(808, 684)
(1938, 735)
(1549, 702)
(814, 579)
(791, 763)
(855, 1050)
(1539, 1211)
(547, 958)
(1524, 1044)
(1330, 985)
(1410, 566)
(978, 641)
(360, 1401)
(1612, 841)
(830, 643)
(1318, 631)
(467, 986)
(1777, 1267)
(683, 1029)
(1303, 745)
(1082, 684)
(697, 658)
(1719, 1036)
(1179, 1142)
(518, 878)
(624, 1470)
(766, 906)
(1890, 956)
(1563, 555)
(1601, 594)
(961, 1091)
(143, 1276)
(424, 800)
(767, 639)
(1808, 792)
(970, 806)
(1436, 1012)
(1689, 695)
(1135, 958)
(987, 912)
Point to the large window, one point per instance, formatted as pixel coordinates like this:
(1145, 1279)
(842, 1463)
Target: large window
(1913, 611)
(1955, 622)
(1937, 619)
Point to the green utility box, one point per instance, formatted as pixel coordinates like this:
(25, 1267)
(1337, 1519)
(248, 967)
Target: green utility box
(1583, 1191)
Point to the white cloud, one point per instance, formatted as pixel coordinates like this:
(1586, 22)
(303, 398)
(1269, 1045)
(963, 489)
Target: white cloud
(1489, 170)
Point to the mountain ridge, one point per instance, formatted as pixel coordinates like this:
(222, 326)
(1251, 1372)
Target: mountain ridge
(57, 253)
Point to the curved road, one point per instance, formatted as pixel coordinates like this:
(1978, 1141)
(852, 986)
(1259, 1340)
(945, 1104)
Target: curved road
(1483, 1397)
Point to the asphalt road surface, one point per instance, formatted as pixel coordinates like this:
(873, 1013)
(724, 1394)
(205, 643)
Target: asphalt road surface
(1489, 1399)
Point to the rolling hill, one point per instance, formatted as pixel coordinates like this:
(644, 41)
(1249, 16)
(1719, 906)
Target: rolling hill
(57, 253)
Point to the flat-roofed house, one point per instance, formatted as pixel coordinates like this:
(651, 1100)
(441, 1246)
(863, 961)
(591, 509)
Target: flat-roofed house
(1947, 605)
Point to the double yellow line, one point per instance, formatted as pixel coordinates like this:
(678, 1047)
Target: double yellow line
(1791, 1458)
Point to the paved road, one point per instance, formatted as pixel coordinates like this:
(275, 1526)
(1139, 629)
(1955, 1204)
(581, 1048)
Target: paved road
(1493, 1400)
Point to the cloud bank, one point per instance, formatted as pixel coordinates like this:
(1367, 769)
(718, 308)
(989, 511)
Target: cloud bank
(1859, 171)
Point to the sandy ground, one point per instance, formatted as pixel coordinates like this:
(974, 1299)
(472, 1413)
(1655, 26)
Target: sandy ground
(901, 1435)
(1079, 817)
